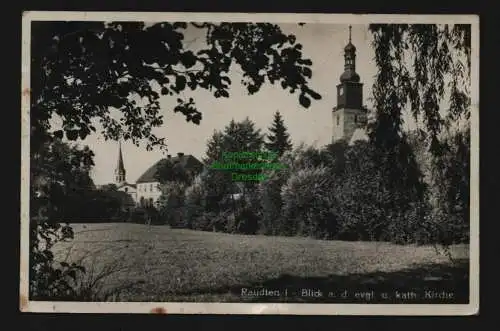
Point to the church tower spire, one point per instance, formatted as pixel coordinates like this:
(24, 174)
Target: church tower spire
(120, 168)
(350, 74)
(349, 113)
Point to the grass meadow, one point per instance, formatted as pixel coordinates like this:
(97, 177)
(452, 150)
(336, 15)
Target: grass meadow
(135, 262)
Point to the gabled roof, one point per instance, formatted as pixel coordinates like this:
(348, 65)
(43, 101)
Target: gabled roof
(188, 162)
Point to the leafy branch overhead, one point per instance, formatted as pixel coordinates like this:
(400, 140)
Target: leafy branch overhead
(419, 67)
(116, 72)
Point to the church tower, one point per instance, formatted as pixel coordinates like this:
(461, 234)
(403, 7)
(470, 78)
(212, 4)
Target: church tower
(120, 168)
(349, 114)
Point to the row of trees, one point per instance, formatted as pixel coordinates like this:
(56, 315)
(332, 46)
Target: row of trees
(336, 192)
(93, 72)
(237, 137)
(62, 183)
(62, 192)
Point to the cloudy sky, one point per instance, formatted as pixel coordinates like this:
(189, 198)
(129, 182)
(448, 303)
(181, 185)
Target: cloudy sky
(323, 44)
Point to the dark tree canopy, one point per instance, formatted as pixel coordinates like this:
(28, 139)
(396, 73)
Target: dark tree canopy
(62, 165)
(108, 78)
(240, 136)
(169, 171)
(114, 73)
(215, 147)
(279, 139)
(439, 67)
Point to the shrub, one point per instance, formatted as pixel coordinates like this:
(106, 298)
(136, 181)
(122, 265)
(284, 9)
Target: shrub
(363, 205)
(451, 187)
(244, 220)
(171, 204)
(307, 208)
(413, 225)
(142, 215)
(202, 222)
(375, 206)
(272, 219)
(211, 221)
(194, 206)
(48, 279)
(271, 203)
(250, 212)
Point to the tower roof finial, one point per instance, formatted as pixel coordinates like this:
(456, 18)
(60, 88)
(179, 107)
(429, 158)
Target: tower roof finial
(350, 61)
(350, 48)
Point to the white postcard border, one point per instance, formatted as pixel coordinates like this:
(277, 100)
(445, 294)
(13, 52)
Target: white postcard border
(249, 308)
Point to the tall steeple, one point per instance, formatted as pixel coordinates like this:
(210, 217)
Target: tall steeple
(349, 113)
(120, 168)
(349, 74)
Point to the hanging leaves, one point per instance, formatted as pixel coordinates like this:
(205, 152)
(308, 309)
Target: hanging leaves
(304, 101)
(81, 69)
(436, 70)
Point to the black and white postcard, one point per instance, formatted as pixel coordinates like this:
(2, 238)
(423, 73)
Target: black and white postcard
(187, 163)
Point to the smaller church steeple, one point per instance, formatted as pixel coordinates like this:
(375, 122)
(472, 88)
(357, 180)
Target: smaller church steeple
(120, 172)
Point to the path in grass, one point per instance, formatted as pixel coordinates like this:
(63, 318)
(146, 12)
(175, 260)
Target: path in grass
(163, 264)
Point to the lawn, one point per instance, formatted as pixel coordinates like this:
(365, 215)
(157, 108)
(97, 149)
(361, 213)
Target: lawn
(156, 263)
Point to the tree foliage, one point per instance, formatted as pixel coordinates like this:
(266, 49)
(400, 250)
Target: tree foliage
(215, 147)
(240, 136)
(216, 191)
(372, 205)
(279, 139)
(419, 65)
(171, 203)
(113, 74)
(271, 203)
(451, 186)
(306, 206)
(59, 171)
(60, 176)
(108, 77)
(424, 69)
(195, 203)
(172, 171)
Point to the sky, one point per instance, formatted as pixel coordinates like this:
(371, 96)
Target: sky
(322, 43)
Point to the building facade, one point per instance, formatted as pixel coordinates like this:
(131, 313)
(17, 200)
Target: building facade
(349, 115)
(147, 186)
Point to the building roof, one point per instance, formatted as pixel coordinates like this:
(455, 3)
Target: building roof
(349, 76)
(126, 184)
(350, 47)
(186, 161)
